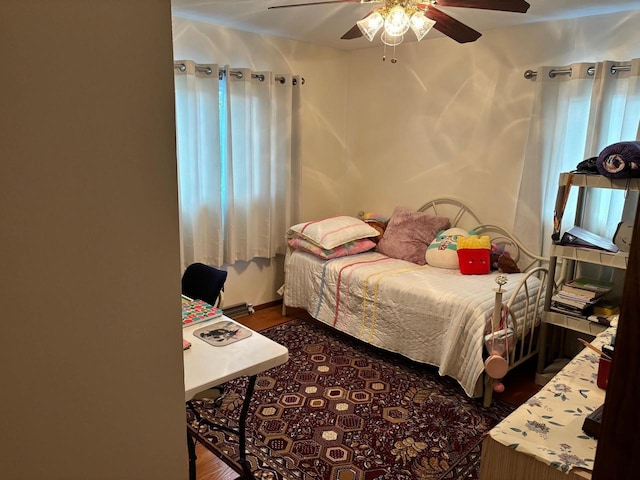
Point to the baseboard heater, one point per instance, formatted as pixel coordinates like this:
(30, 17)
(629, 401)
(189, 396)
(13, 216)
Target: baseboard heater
(238, 310)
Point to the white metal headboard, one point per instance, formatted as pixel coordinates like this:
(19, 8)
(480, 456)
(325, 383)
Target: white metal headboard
(524, 257)
(459, 214)
(462, 216)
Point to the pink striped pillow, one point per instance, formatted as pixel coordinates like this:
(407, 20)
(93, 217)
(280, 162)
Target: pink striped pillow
(331, 232)
(349, 248)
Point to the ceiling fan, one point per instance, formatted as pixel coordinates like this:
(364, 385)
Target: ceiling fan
(395, 17)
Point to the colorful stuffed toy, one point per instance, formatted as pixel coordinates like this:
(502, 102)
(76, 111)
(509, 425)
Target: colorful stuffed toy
(442, 252)
(375, 220)
(473, 254)
(501, 259)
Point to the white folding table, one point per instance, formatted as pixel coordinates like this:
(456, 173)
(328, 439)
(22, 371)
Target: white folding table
(207, 366)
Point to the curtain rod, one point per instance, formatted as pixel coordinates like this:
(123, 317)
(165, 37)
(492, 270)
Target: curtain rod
(529, 74)
(236, 73)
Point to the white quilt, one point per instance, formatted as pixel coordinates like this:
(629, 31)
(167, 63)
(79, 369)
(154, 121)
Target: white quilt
(430, 315)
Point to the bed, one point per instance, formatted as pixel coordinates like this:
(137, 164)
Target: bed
(434, 316)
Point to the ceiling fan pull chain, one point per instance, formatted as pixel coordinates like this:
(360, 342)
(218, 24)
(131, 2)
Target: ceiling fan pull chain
(384, 54)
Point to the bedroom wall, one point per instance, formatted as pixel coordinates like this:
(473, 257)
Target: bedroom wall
(452, 119)
(91, 364)
(323, 117)
(447, 119)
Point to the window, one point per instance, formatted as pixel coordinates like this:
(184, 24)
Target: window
(236, 136)
(578, 111)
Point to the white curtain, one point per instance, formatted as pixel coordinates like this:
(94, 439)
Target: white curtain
(578, 110)
(236, 140)
(198, 145)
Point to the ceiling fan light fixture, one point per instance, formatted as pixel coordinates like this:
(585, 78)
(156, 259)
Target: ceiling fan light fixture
(370, 25)
(397, 21)
(391, 40)
(421, 25)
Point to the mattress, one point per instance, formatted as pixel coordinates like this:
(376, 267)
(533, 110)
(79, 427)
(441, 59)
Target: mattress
(430, 315)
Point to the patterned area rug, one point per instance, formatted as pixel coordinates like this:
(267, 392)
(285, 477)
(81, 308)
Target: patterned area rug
(341, 410)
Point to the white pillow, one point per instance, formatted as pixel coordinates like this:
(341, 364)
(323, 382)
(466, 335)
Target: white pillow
(443, 250)
(334, 231)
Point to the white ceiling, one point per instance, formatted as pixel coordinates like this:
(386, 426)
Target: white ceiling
(325, 24)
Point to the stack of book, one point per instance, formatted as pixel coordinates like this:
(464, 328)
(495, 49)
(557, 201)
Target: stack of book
(577, 297)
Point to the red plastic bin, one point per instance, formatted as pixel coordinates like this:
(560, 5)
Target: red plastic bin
(474, 261)
(603, 373)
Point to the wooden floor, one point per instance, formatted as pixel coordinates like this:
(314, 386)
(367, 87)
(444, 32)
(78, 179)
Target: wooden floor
(520, 385)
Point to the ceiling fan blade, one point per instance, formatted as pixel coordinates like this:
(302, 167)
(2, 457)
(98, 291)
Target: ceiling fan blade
(451, 27)
(317, 3)
(519, 6)
(354, 32)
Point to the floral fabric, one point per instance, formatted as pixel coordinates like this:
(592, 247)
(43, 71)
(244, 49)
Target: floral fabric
(549, 425)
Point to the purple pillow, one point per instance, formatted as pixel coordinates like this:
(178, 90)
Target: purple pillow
(409, 233)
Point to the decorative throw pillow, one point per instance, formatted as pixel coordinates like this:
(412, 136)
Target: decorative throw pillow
(443, 251)
(376, 220)
(331, 232)
(473, 254)
(409, 233)
(349, 248)
(362, 215)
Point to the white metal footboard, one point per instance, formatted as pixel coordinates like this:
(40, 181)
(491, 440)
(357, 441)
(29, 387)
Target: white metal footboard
(526, 345)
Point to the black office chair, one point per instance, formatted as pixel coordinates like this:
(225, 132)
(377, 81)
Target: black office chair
(203, 282)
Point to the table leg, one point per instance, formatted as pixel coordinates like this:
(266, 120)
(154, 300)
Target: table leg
(241, 432)
(246, 469)
(191, 448)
